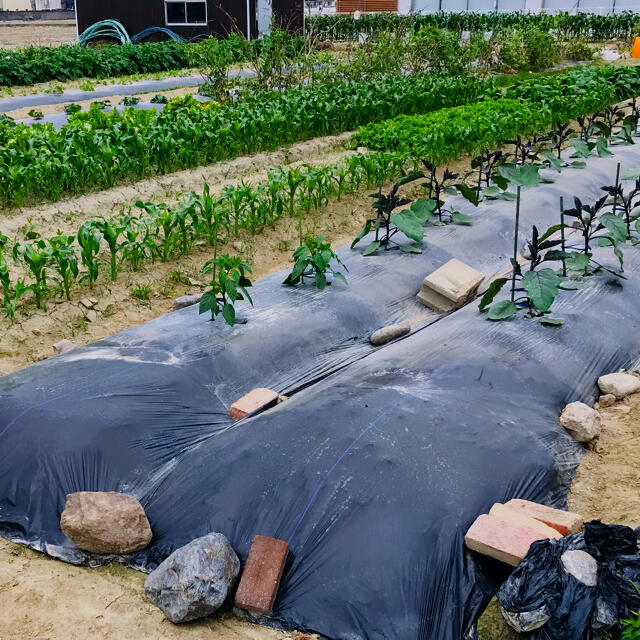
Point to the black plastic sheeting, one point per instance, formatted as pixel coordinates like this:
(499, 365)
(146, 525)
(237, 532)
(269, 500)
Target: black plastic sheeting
(577, 610)
(379, 462)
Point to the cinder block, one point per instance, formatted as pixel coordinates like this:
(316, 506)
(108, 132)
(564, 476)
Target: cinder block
(522, 520)
(450, 287)
(563, 521)
(499, 539)
(252, 401)
(261, 576)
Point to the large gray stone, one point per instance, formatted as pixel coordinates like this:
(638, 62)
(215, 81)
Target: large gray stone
(389, 333)
(105, 522)
(619, 384)
(581, 420)
(195, 580)
(581, 565)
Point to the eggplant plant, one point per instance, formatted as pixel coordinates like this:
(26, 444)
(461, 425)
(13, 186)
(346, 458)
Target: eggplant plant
(313, 260)
(594, 224)
(486, 165)
(527, 149)
(533, 290)
(450, 184)
(410, 222)
(559, 136)
(228, 284)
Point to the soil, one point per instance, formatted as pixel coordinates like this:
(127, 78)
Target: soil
(41, 33)
(52, 600)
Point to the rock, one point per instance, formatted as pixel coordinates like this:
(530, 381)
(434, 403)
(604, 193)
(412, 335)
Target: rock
(63, 347)
(362, 150)
(194, 581)
(91, 315)
(607, 400)
(88, 303)
(581, 420)
(527, 621)
(186, 301)
(619, 384)
(105, 522)
(389, 333)
(581, 565)
(450, 286)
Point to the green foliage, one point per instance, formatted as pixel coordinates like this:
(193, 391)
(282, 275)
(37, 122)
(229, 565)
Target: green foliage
(578, 49)
(159, 99)
(130, 101)
(72, 108)
(541, 49)
(588, 25)
(35, 114)
(631, 626)
(511, 56)
(228, 283)
(313, 260)
(437, 50)
(68, 62)
(141, 292)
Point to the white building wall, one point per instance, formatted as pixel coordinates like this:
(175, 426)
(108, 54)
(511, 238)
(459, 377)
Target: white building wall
(592, 6)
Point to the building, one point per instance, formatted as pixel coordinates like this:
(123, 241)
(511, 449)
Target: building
(29, 5)
(194, 18)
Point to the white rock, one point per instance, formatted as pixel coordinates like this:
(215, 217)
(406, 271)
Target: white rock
(581, 566)
(63, 346)
(389, 333)
(581, 420)
(607, 400)
(619, 384)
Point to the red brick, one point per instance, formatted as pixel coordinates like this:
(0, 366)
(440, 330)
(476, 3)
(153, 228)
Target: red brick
(563, 521)
(517, 517)
(499, 539)
(261, 576)
(252, 401)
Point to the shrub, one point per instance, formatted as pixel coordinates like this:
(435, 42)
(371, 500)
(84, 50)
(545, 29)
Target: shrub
(541, 49)
(578, 49)
(511, 55)
(437, 50)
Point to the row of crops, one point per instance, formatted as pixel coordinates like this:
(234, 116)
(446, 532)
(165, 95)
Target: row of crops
(68, 62)
(584, 25)
(418, 144)
(98, 150)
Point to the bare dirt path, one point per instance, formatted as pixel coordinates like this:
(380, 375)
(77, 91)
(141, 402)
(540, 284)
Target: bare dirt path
(37, 33)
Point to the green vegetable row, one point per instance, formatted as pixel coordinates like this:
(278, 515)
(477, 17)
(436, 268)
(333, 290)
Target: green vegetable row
(160, 232)
(68, 62)
(586, 25)
(524, 109)
(97, 150)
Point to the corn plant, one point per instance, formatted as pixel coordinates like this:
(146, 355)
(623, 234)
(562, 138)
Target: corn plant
(89, 241)
(111, 229)
(138, 244)
(207, 213)
(64, 260)
(165, 218)
(36, 255)
(313, 260)
(229, 283)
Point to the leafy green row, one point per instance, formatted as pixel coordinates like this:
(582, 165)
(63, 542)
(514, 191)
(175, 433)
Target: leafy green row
(588, 25)
(524, 109)
(68, 62)
(97, 150)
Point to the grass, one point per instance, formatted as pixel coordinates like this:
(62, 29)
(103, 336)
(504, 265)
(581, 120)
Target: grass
(141, 293)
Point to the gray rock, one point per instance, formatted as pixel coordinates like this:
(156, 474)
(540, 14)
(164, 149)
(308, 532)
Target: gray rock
(581, 420)
(527, 620)
(619, 384)
(63, 347)
(581, 566)
(387, 334)
(195, 580)
(186, 301)
(607, 400)
(105, 522)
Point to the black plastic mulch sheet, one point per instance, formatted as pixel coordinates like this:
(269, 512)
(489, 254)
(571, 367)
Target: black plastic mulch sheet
(378, 463)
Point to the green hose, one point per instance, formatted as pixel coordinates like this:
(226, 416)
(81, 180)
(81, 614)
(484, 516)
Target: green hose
(111, 29)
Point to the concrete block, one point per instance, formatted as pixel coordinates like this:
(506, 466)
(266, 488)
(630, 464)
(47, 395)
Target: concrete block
(522, 520)
(450, 287)
(499, 539)
(252, 401)
(261, 576)
(563, 521)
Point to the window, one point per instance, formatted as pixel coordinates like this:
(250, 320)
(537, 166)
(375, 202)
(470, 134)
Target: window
(185, 12)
